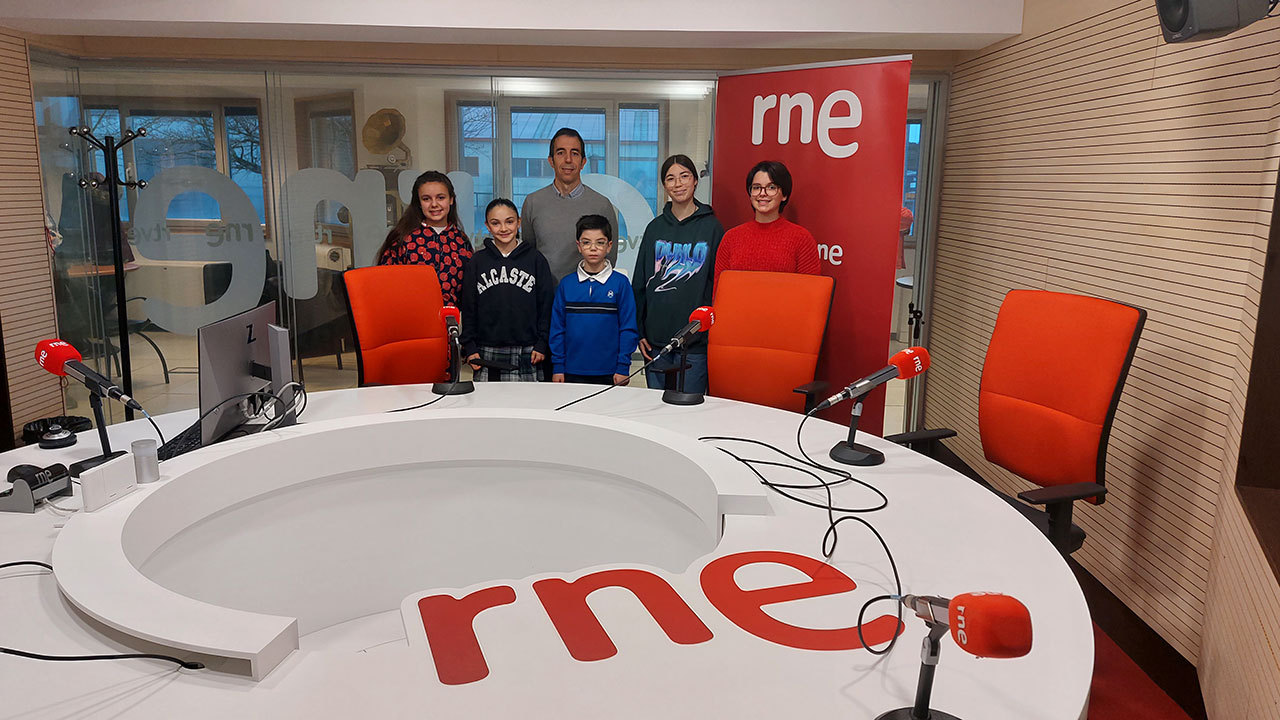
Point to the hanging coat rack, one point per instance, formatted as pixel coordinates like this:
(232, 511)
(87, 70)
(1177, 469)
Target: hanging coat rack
(109, 147)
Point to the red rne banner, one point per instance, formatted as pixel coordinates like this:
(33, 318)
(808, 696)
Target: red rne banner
(841, 131)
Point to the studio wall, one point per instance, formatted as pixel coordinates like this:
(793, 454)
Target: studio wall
(1088, 156)
(26, 293)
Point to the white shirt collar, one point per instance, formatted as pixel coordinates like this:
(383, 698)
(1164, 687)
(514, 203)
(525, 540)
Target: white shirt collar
(508, 253)
(600, 277)
(574, 193)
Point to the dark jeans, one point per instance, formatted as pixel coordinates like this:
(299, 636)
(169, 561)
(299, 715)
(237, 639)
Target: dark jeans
(695, 378)
(589, 379)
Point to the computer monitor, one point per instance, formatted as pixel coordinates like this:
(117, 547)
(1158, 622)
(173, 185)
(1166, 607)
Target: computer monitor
(244, 353)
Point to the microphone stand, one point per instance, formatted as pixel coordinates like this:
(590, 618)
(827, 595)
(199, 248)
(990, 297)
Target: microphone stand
(95, 401)
(678, 396)
(930, 650)
(849, 452)
(458, 386)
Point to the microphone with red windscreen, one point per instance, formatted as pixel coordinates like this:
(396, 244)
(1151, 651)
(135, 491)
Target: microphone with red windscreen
(700, 320)
(452, 319)
(63, 360)
(990, 625)
(986, 624)
(905, 364)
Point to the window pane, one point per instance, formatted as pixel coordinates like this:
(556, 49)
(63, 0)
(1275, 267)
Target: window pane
(638, 150)
(531, 129)
(104, 121)
(244, 154)
(477, 125)
(332, 147)
(912, 170)
(177, 138)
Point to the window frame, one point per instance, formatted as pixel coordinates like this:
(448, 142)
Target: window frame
(502, 142)
(126, 105)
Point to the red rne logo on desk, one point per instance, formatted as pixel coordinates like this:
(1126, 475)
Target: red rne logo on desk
(446, 621)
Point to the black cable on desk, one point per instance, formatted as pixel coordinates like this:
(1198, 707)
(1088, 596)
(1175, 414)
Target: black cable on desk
(185, 664)
(20, 563)
(433, 401)
(603, 390)
(147, 415)
(831, 536)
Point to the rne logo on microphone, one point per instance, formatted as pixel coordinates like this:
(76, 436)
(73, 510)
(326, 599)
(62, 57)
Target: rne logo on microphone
(826, 121)
(961, 636)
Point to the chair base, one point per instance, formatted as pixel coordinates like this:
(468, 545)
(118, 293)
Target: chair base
(462, 387)
(905, 714)
(675, 397)
(855, 454)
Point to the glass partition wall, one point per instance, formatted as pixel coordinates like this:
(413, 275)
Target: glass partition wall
(266, 185)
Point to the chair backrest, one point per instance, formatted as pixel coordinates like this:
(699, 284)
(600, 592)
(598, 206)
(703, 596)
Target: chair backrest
(1051, 382)
(765, 340)
(395, 317)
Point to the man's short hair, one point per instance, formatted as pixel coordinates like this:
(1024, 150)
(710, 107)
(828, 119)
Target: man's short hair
(562, 132)
(594, 222)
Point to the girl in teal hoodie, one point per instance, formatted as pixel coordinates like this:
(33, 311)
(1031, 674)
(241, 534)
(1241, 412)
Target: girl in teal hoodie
(675, 272)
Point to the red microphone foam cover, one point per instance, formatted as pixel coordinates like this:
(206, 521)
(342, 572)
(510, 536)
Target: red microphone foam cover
(53, 354)
(910, 362)
(450, 311)
(705, 316)
(990, 625)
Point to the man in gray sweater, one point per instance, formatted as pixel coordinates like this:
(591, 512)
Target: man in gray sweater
(549, 215)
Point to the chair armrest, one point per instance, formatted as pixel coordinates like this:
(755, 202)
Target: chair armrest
(811, 388)
(907, 438)
(810, 391)
(1062, 493)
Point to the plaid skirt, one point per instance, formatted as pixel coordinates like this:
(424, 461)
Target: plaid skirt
(521, 357)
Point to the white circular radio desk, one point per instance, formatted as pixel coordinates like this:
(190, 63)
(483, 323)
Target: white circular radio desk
(487, 557)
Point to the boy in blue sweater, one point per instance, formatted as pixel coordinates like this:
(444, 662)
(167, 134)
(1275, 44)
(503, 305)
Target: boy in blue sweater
(593, 318)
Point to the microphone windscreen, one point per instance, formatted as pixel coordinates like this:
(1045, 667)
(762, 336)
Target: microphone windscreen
(54, 354)
(450, 311)
(705, 316)
(990, 625)
(910, 362)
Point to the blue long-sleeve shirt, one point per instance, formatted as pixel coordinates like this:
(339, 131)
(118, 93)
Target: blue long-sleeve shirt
(593, 324)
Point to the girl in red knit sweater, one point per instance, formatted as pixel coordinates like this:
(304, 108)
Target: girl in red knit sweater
(430, 233)
(769, 242)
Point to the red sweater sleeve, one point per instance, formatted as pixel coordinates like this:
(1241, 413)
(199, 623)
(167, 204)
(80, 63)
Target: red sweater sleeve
(807, 262)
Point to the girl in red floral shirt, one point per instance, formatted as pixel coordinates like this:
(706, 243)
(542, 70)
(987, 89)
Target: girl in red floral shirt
(429, 233)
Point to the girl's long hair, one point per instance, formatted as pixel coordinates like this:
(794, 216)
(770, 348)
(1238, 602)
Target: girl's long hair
(412, 219)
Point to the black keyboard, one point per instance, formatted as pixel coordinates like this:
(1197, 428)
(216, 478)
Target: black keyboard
(183, 442)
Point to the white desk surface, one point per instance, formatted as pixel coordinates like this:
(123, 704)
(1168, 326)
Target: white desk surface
(948, 535)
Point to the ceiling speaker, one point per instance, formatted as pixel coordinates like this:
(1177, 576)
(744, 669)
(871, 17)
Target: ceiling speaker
(1183, 20)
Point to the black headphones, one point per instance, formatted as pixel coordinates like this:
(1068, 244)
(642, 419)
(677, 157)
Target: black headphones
(30, 473)
(36, 476)
(55, 432)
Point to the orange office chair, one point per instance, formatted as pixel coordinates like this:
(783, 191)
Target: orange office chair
(1050, 385)
(395, 318)
(763, 347)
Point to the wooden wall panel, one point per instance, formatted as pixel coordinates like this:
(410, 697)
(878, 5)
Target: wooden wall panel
(26, 286)
(1093, 158)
